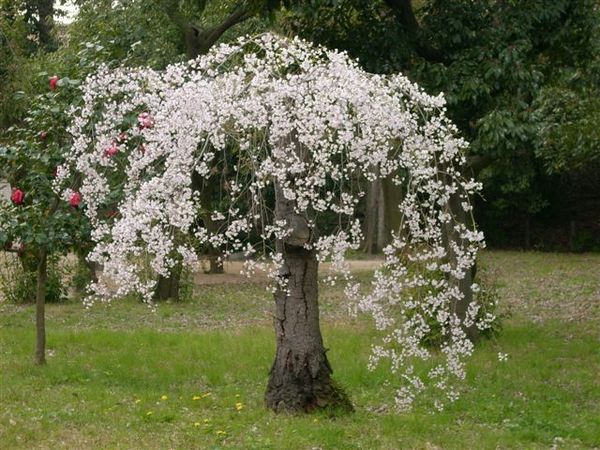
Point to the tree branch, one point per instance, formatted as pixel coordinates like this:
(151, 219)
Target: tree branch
(403, 10)
(199, 42)
(479, 162)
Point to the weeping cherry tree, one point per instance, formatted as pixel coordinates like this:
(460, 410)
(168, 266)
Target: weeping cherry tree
(302, 130)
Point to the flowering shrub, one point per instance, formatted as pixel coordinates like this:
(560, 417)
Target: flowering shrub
(36, 219)
(302, 123)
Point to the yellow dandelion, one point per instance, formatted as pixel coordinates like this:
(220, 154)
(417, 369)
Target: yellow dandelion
(221, 432)
(149, 413)
(206, 420)
(239, 406)
(196, 397)
(237, 395)
(164, 397)
(207, 394)
(196, 424)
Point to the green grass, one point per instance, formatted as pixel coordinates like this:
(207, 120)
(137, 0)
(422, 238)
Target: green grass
(110, 367)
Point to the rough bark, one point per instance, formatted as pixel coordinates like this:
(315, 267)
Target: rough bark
(40, 314)
(300, 377)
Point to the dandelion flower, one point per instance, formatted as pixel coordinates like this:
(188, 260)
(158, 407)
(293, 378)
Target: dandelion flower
(149, 413)
(196, 397)
(164, 397)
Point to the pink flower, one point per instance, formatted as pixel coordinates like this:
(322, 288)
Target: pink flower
(75, 199)
(17, 196)
(112, 150)
(145, 120)
(53, 81)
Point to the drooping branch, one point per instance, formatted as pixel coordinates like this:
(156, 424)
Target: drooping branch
(403, 10)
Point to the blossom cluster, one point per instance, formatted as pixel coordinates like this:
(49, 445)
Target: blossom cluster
(270, 115)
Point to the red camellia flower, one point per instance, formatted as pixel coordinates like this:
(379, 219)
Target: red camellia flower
(112, 150)
(75, 199)
(43, 135)
(145, 120)
(17, 196)
(53, 81)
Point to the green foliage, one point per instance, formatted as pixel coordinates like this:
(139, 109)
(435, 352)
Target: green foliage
(520, 78)
(33, 150)
(18, 286)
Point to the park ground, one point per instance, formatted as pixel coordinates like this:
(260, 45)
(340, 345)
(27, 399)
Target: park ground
(192, 374)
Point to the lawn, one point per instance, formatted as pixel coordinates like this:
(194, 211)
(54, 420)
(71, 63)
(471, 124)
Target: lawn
(192, 375)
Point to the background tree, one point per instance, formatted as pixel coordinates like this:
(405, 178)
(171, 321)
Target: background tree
(36, 223)
(495, 62)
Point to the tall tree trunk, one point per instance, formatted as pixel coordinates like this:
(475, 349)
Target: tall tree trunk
(463, 284)
(300, 378)
(40, 314)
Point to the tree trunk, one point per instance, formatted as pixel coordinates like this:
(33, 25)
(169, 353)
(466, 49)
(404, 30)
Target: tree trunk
(392, 197)
(40, 315)
(167, 288)
(215, 262)
(300, 378)
(207, 193)
(463, 284)
(371, 215)
(382, 232)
